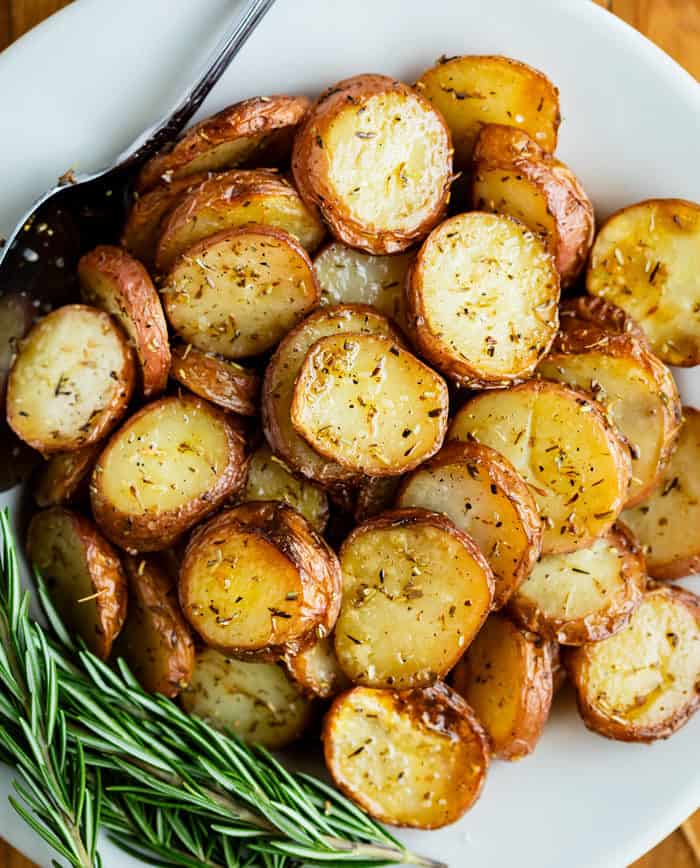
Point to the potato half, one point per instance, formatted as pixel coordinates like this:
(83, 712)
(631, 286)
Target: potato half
(65, 476)
(316, 670)
(216, 379)
(72, 380)
(376, 159)
(574, 462)
(83, 574)
(480, 491)
(642, 683)
(646, 259)
(412, 758)
(482, 299)
(169, 466)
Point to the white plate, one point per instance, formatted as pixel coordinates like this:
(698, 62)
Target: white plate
(77, 89)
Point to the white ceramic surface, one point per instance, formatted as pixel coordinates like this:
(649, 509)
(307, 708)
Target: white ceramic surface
(78, 88)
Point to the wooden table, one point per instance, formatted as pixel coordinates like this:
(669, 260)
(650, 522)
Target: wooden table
(672, 24)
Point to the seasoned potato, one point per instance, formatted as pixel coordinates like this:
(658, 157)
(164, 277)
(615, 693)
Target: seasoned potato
(480, 491)
(118, 284)
(471, 91)
(482, 299)
(374, 494)
(411, 758)
(255, 701)
(369, 405)
(83, 574)
(156, 641)
(506, 677)
(281, 375)
(376, 159)
(583, 596)
(65, 475)
(71, 381)
(586, 319)
(667, 523)
(16, 316)
(169, 466)
(513, 175)
(642, 683)
(416, 590)
(258, 582)
(231, 200)
(316, 670)
(216, 379)
(559, 441)
(646, 259)
(238, 292)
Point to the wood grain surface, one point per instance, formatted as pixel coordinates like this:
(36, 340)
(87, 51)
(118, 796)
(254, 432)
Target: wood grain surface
(674, 25)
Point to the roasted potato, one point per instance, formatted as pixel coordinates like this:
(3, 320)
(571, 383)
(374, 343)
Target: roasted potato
(72, 380)
(482, 299)
(506, 677)
(667, 524)
(642, 683)
(118, 284)
(410, 758)
(259, 583)
(474, 90)
(65, 476)
(368, 404)
(239, 291)
(480, 491)
(574, 462)
(16, 316)
(216, 379)
(83, 574)
(169, 466)
(416, 591)
(256, 701)
(513, 175)
(646, 259)
(316, 670)
(376, 159)
(156, 641)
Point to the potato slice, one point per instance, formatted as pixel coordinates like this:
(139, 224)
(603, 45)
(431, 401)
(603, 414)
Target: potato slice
(506, 677)
(65, 476)
(257, 130)
(71, 381)
(216, 379)
(281, 375)
(416, 591)
(169, 466)
(574, 462)
(513, 175)
(646, 259)
(83, 574)
(258, 582)
(156, 641)
(642, 683)
(480, 491)
(316, 670)
(233, 199)
(482, 299)
(256, 701)
(474, 90)
(238, 292)
(369, 405)
(412, 758)
(376, 159)
(667, 523)
(17, 313)
(118, 284)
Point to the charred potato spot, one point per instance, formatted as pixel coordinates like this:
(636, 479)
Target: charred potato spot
(216, 379)
(316, 670)
(64, 476)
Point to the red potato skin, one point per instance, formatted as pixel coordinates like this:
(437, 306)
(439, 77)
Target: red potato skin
(65, 477)
(228, 386)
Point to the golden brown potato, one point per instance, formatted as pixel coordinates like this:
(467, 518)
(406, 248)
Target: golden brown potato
(83, 574)
(482, 299)
(480, 491)
(64, 476)
(646, 259)
(376, 159)
(238, 292)
(412, 758)
(259, 583)
(474, 90)
(169, 466)
(506, 677)
(216, 379)
(642, 683)
(72, 380)
(17, 314)
(118, 284)
(513, 175)
(667, 524)
(574, 462)
(316, 670)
